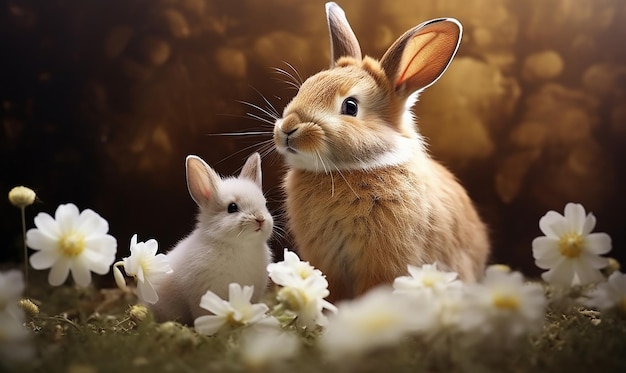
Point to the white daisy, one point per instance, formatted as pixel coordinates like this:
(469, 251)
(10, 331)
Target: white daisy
(379, 318)
(305, 299)
(72, 241)
(236, 312)
(146, 266)
(426, 278)
(503, 302)
(291, 270)
(303, 289)
(569, 250)
(609, 294)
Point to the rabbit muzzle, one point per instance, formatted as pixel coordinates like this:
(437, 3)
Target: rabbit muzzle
(294, 135)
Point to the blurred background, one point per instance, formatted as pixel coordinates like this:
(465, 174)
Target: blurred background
(100, 102)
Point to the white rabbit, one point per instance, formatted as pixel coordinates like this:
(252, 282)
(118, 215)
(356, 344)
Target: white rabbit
(364, 198)
(229, 243)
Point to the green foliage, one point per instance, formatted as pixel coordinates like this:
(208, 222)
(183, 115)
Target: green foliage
(101, 331)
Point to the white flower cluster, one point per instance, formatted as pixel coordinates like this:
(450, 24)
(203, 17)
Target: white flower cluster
(302, 290)
(431, 302)
(15, 338)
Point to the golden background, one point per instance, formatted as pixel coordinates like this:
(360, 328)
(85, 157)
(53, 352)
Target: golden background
(102, 100)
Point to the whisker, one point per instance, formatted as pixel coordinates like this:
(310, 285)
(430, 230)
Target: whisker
(293, 81)
(269, 112)
(347, 183)
(327, 171)
(249, 133)
(264, 120)
(269, 107)
(300, 80)
(237, 153)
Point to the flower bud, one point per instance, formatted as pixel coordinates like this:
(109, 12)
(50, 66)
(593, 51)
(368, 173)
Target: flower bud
(21, 196)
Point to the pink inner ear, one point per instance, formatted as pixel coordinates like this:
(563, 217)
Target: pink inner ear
(206, 193)
(425, 57)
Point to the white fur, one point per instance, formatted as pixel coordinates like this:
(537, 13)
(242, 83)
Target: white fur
(224, 248)
(401, 149)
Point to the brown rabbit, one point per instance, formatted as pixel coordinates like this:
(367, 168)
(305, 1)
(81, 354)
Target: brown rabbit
(364, 198)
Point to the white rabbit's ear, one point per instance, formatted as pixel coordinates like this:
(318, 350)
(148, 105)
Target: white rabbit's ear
(343, 42)
(202, 181)
(419, 57)
(252, 170)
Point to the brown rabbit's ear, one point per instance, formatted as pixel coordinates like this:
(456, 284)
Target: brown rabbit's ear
(343, 42)
(252, 169)
(419, 57)
(202, 181)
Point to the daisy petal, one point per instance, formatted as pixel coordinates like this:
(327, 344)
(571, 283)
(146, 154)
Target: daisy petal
(598, 243)
(43, 259)
(586, 274)
(96, 262)
(80, 272)
(66, 217)
(105, 244)
(560, 274)
(90, 221)
(209, 325)
(59, 271)
(211, 302)
(545, 250)
(575, 216)
(547, 222)
(47, 224)
(37, 239)
(147, 292)
(152, 246)
(593, 260)
(590, 223)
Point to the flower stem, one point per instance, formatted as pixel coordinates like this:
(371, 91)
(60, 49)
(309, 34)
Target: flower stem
(25, 250)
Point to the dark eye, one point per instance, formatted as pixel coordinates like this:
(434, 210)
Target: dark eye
(349, 107)
(233, 208)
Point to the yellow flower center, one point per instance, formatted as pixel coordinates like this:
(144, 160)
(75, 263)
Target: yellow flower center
(428, 281)
(506, 301)
(233, 321)
(293, 298)
(72, 244)
(571, 245)
(305, 271)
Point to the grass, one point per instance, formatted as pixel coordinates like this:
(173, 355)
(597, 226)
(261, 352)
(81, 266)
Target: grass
(99, 330)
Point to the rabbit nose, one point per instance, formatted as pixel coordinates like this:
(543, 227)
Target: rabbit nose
(290, 124)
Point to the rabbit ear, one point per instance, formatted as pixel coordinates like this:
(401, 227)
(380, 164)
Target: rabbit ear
(252, 169)
(202, 181)
(419, 57)
(343, 42)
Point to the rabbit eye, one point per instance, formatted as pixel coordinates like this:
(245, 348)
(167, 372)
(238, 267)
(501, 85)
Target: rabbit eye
(349, 107)
(233, 208)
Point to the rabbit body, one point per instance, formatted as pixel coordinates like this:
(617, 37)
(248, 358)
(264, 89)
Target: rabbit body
(363, 197)
(228, 244)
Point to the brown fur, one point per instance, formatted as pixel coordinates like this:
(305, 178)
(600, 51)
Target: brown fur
(364, 199)
(377, 222)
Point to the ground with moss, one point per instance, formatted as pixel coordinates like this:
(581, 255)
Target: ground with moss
(93, 330)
